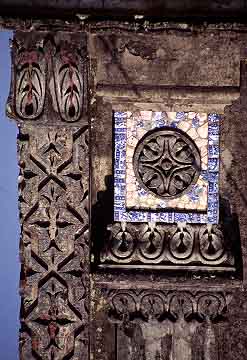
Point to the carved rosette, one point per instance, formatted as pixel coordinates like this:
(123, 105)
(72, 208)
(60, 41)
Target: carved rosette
(166, 163)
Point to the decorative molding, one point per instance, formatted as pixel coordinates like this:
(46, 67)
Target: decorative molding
(150, 245)
(84, 23)
(162, 324)
(128, 305)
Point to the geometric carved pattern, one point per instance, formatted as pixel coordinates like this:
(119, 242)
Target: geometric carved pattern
(167, 163)
(53, 185)
(166, 246)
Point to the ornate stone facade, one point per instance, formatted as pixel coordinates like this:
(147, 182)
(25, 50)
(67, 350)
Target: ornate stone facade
(151, 284)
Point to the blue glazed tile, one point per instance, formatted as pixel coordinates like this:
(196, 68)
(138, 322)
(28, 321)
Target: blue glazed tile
(213, 150)
(195, 122)
(193, 194)
(119, 197)
(174, 124)
(212, 205)
(160, 123)
(120, 181)
(212, 187)
(213, 139)
(140, 123)
(137, 216)
(204, 174)
(180, 217)
(180, 115)
(157, 115)
(141, 192)
(116, 216)
(119, 173)
(171, 217)
(212, 212)
(164, 217)
(213, 197)
(213, 164)
(121, 130)
(124, 216)
(213, 130)
(160, 119)
(213, 176)
(155, 217)
(213, 118)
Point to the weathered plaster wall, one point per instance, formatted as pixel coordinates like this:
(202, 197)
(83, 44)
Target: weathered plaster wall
(172, 70)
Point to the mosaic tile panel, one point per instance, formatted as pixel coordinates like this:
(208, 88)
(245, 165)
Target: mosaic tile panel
(200, 204)
(196, 127)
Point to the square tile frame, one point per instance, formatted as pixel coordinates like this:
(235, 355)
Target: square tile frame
(211, 174)
(195, 125)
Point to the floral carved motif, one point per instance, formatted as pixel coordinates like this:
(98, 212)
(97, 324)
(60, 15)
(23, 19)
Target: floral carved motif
(30, 80)
(148, 304)
(70, 83)
(165, 323)
(48, 67)
(152, 244)
(166, 163)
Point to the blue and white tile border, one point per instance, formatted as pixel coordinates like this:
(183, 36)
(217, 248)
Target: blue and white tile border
(212, 175)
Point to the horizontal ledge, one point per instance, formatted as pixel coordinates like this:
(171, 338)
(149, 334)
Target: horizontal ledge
(118, 8)
(207, 94)
(180, 285)
(169, 267)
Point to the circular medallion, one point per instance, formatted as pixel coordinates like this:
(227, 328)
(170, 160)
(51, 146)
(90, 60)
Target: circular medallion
(166, 163)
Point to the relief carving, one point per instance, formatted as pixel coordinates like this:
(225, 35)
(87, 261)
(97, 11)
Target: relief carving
(163, 245)
(53, 187)
(30, 79)
(70, 82)
(167, 324)
(46, 66)
(167, 163)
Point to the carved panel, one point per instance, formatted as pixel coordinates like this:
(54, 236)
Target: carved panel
(53, 185)
(167, 246)
(49, 77)
(162, 324)
(70, 82)
(30, 80)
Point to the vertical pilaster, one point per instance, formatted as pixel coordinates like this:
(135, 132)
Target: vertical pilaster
(48, 100)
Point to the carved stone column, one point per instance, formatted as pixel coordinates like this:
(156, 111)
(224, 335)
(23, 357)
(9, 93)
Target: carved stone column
(48, 100)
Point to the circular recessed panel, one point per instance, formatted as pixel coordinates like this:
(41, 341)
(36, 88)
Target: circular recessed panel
(166, 163)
